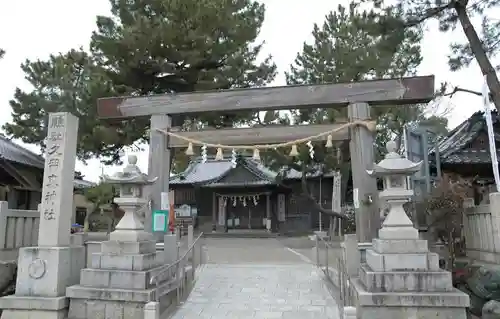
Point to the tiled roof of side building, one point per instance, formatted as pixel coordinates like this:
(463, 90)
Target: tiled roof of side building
(15, 153)
(12, 152)
(453, 148)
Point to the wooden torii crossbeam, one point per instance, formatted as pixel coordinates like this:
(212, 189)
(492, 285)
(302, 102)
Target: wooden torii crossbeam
(357, 96)
(376, 92)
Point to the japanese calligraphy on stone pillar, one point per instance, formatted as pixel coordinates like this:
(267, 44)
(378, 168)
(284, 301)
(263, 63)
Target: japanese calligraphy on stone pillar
(53, 155)
(57, 192)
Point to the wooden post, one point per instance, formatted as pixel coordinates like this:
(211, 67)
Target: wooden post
(4, 207)
(364, 186)
(215, 210)
(268, 212)
(224, 213)
(190, 236)
(159, 165)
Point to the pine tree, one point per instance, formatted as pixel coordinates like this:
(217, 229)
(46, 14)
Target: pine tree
(144, 47)
(350, 46)
(165, 46)
(481, 45)
(69, 82)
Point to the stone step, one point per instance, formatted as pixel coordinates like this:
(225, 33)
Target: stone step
(119, 279)
(405, 281)
(123, 248)
(449, 304)
(398, 246)
(138, 262)
(85, 309)
(402, 261)
(242, 234)
(113, 294)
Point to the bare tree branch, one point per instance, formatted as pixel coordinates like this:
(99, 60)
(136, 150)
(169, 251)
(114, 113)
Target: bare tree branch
(457, 89)
(431, 12)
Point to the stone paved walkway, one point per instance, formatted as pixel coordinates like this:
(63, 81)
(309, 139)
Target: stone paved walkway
(294, 291)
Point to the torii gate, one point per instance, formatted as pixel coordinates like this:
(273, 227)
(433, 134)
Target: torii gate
(358, 97)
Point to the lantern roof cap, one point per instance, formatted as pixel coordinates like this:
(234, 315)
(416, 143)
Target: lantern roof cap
(131, 174)
(394, 164)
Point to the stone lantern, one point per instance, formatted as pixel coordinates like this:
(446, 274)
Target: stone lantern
(401, 278)
(394, 170)
(131, 183)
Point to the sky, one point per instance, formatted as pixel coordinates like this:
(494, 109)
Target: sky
(35, 29)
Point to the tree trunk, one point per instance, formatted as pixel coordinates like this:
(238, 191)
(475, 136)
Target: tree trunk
(451, 250)
(479, 53)
(86, 221)
(317, 206)
(86, 224)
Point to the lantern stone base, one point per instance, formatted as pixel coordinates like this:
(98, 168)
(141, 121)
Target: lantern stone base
(118, 281)
(398, 233)
(402, 261)
(402, 279)
(397, 305)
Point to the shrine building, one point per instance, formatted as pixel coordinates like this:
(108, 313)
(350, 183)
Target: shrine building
(247, 195)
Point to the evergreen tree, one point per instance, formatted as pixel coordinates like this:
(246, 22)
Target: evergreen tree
(349, 47)
(100, 195)
(481, 45)
(144, 47)
(2, 53)
(166, 46)
(69, 82)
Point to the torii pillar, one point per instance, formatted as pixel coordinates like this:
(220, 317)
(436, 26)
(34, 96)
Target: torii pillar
(158, 165)
(365, 192)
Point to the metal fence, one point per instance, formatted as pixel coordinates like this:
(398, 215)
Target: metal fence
(175, 273)
(330, 259)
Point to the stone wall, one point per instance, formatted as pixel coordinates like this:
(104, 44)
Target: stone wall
(18, 228)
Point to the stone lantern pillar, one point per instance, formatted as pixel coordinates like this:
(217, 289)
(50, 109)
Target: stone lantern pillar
(401, 278)
(117, 280)
(131, 183)
(394, 170)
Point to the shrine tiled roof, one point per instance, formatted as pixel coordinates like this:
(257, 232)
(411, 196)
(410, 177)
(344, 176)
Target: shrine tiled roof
(213, 170)
(198, 172)
(263, 175)
(454, 149)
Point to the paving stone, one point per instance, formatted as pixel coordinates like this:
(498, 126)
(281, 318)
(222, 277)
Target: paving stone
(259, 291)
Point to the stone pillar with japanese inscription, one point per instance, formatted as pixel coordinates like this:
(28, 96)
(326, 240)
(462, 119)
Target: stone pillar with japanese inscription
(58, 177)
(45, 271)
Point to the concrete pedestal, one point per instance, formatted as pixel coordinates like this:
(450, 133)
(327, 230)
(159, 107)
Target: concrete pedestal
(402, 279)
(118, 285)
(42, 277)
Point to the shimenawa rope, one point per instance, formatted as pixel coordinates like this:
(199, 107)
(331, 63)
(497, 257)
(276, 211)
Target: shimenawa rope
(370, 125)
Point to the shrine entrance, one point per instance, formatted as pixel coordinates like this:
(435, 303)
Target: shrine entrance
(245, 211)
(358, 97)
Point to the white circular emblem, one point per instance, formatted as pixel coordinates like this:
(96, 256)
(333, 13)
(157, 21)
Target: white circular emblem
(37, 269)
